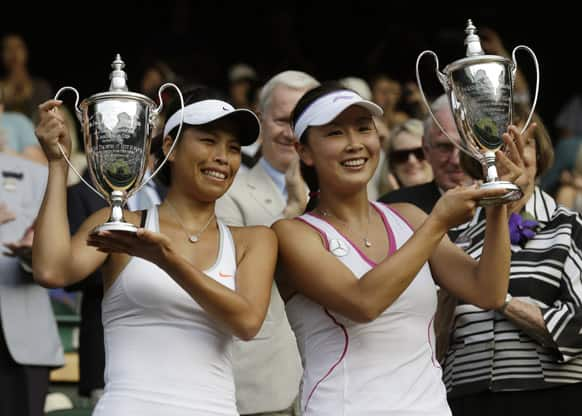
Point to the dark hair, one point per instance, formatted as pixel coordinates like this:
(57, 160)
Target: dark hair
(191, 95)
(308, 172)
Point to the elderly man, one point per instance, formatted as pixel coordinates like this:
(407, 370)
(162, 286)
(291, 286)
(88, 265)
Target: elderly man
(268, 369)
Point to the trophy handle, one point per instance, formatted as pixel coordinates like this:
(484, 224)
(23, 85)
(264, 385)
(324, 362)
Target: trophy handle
(79, 115)
(444, 82)
(155, 114)
(513, 75)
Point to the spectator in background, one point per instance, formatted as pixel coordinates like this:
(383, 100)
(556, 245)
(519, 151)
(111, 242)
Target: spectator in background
(408, 165)
(29, 341)
(569, 192)
(525, 357)
(569, 118)
(412, 103)
(566, 152)
(387, 93)
(23, 92)
(244, 89)
(17, 134)
(154, 76)
(358, 85)
(242, 86)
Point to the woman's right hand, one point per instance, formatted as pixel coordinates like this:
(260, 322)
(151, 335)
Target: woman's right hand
(457, 205)
(52, 130)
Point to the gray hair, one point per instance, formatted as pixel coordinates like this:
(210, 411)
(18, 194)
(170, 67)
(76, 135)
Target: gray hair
(295, 80)
(438, 105)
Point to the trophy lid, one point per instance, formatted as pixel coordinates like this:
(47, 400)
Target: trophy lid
(118, 87)
(474, 54)
(472, 41)
(118, 76)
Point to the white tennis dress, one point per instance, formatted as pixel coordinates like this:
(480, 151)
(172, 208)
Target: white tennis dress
(385, 367)
(164, 354)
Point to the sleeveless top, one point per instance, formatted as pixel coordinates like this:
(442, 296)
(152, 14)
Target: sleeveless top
(387, 366)
(164, 354)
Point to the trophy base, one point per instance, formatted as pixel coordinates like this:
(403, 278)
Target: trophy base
(513, 193)
(115, 226)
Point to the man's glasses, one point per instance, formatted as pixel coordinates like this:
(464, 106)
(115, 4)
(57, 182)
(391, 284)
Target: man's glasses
(402, 156)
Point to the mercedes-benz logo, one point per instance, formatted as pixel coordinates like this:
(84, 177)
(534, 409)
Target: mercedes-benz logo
(338, 248)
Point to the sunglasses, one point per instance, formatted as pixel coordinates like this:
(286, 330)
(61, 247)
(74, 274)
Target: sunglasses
(402, 156)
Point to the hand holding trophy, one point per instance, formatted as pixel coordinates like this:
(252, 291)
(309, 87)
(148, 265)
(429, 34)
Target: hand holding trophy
(117, 130)
(480, 92)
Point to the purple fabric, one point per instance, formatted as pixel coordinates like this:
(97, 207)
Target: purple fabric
(521, 229)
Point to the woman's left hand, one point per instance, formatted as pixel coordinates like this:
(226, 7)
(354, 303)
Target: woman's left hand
(146, 244)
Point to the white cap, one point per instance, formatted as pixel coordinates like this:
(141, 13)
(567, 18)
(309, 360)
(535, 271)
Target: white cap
(207, 111)
(325, 109)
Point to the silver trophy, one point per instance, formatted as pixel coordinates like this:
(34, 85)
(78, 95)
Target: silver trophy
(480, 92)
(117, 129)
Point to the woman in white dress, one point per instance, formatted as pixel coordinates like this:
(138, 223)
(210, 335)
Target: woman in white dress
(359, 278)
(178, 291)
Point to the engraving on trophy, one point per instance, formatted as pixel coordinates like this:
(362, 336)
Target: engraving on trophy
(118, 138)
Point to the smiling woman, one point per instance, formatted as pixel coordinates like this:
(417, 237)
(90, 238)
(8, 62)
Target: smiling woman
(359, 289)
(179, 290)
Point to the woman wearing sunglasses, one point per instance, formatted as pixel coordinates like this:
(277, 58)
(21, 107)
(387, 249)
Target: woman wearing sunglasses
(408, 166)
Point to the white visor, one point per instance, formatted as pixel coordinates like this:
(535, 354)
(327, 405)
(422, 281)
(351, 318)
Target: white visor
(207, 111)
(325, 109)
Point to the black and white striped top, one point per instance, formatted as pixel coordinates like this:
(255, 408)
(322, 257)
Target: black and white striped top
(489, 352)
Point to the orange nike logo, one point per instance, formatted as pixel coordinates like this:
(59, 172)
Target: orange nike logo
(224, 275)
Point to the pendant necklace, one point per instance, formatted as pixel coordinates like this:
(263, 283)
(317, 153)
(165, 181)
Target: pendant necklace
(193, 238)
(367, 242)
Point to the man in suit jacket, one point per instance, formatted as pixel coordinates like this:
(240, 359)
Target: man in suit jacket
(267, 369)
(29, 340)
(444, 158)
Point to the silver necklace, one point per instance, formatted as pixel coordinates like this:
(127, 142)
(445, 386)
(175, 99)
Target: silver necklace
(193, 238)
(367, 242)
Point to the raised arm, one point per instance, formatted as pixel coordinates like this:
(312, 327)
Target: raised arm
(57, 259)
(482, 283)
(242, 310)
(311, 270)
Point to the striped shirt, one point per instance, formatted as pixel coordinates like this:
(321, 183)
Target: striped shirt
(486, 350)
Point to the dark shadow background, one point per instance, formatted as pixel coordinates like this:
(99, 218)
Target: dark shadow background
(74, 44)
